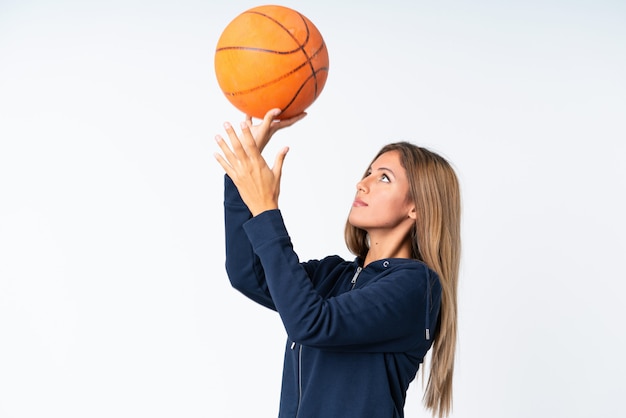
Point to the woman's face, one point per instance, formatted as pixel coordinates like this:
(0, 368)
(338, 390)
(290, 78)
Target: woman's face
(382, 201)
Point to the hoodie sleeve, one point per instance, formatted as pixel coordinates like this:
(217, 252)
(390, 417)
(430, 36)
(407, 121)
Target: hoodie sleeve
(243, 266)
(386, 315)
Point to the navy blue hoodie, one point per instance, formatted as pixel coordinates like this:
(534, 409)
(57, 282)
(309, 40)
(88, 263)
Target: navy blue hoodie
(356, 336)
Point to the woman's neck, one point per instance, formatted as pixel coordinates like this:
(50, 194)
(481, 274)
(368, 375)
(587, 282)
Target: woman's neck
(387, 247)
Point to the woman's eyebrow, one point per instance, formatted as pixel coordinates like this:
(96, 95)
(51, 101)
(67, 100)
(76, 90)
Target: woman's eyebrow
(386, 169)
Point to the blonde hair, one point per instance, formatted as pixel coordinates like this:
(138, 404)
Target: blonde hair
(436, 241)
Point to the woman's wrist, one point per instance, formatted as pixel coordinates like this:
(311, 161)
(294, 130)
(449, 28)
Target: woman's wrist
(258, 209)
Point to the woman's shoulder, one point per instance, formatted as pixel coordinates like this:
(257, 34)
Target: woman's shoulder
(400, 264)
(404, 267)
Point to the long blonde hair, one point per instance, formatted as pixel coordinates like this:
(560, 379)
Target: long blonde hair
(436, 241)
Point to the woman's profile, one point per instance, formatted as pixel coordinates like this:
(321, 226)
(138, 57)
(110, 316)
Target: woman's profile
(357, 330)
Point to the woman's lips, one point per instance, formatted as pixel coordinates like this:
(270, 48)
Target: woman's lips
(358, 203)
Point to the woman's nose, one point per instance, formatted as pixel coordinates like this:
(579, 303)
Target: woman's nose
(361, 186)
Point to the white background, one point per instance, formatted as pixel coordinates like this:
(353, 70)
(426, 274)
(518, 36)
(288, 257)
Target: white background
(113, 296)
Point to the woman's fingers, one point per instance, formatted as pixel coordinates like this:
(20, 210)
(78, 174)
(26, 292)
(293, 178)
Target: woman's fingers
(262, 132)
(243, 151)
(225, 165)
(270, 116)
(228, 154)
(235, 142)
(277, 169)
(269, 125)
(229, 160)
(258, 184)
(248, 142)
(233, 158)
(288, 122)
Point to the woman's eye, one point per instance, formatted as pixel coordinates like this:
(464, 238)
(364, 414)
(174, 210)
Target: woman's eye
(384, 178)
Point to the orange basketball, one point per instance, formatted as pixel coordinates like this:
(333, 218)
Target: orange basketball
(271, 57)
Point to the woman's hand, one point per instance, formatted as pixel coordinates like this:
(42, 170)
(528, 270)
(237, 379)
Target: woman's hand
(258, 185)
(269, 125)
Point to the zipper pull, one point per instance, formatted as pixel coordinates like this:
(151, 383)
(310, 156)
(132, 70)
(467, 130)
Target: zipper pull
(293, 344)
(356, 276)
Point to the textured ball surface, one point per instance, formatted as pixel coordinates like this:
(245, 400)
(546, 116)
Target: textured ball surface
(271, 57)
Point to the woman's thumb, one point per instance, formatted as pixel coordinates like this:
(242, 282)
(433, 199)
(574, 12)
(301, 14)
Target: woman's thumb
(278, 163)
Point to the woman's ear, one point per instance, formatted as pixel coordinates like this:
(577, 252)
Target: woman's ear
(413, 213)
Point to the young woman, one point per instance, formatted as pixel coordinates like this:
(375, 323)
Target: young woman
(357, 330)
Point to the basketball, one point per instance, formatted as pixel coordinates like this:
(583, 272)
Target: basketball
(271, 57)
